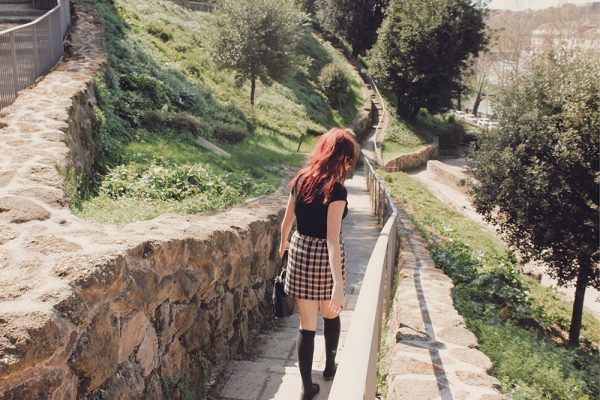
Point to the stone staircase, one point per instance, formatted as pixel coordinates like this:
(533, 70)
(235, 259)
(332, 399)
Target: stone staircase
(17, 12)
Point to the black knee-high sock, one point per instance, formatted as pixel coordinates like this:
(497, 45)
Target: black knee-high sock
(306, 349)
(331, 332)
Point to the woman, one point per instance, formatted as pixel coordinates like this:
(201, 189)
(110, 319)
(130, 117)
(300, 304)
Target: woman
(316, 258)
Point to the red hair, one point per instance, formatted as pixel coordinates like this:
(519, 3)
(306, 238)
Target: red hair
(326, 165)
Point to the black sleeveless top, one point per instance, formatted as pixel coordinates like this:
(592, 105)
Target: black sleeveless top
(311, 218)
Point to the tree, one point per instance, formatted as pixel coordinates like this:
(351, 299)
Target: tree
(335, 84)
(478, 78)
(256, 39)
(356, 21)
(422, 48)
(537, 173)
(308, 6)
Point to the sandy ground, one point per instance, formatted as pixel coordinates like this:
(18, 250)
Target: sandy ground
(459, 201)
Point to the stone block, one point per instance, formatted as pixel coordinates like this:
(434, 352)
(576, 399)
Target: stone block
(127, 383)
(29, 339)
(18, 210)
(96, 355)
(147, 353)
(133, 329)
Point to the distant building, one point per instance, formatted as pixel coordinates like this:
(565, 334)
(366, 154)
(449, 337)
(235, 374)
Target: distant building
(586, 37)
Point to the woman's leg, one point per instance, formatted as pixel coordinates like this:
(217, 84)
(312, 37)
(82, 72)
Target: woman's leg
(306, 343)
(331, 331)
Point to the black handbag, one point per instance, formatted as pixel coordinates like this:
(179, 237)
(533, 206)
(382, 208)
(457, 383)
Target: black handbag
(283, 305)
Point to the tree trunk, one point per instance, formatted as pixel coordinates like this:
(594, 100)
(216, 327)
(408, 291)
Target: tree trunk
(582, 280)
(477, 102)
(459, 102)
(252, 90)
(406, 110)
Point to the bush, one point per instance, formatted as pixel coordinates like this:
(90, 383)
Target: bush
(163, 180)
(229, 134)
(335, 84)
(179, 122)
(159, 31)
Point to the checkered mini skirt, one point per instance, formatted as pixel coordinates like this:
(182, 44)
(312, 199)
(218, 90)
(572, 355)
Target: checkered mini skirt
(308, 271)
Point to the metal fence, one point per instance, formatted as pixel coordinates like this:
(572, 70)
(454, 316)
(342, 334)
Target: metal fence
(31, 50)
(356, 375)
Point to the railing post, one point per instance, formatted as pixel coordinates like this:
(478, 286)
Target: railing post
(36, 50)
(14, 61)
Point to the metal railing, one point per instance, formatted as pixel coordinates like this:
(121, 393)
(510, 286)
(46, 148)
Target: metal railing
(356, 374)
(29, 51)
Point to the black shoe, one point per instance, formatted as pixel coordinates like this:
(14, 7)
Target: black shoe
(329, 375)
(311, 395)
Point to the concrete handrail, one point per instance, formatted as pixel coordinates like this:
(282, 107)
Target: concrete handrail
(356, 374)
(379, 129)
(30, 50)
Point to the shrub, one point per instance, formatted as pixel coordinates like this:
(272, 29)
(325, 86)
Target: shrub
(163, 180)
(335, 84)
(229, 134)
(146, 86)
(179, 122)
(159, 31)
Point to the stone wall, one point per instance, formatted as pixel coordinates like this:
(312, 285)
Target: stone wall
(128, 311)
(361, 125)
(429, 352)
(416, 159)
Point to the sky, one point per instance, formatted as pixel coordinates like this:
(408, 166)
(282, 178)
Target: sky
(533, 4)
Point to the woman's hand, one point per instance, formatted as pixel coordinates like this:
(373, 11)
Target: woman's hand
(337, 299)
(283, 247)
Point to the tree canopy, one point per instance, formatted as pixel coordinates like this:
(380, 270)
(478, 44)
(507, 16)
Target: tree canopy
(422, 48)
(256, 39)
(537, 174)
(355, 20)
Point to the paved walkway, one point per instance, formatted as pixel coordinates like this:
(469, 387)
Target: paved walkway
(272, 372)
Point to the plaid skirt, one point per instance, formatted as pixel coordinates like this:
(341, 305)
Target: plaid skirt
(308, 272)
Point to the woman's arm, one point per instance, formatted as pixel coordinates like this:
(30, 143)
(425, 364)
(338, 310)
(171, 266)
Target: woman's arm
(334, 227)
(286, 225)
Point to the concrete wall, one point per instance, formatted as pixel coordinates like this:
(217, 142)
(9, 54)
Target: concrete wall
(126, 311)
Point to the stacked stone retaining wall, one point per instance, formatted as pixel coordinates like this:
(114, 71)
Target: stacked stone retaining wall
(132, 311)
(416, 159)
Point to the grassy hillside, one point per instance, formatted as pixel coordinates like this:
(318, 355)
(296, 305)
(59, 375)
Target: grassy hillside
(162, 91)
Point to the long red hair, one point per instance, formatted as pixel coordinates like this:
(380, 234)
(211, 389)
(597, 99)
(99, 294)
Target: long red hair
(326, 165)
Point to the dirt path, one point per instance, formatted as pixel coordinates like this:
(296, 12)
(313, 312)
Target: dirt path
(458, 200)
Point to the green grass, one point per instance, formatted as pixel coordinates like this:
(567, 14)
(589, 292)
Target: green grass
(521, 325)
(162, 90)
(407, 136)
(436, 217)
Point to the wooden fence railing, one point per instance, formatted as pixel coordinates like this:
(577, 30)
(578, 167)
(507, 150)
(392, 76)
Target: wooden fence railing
(29, 51)
(356, 375)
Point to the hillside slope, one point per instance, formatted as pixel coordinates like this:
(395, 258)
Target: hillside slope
(162, 91)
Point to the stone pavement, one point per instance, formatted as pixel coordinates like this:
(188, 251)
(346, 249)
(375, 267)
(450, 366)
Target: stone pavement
(432, 355)
(272, 373)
